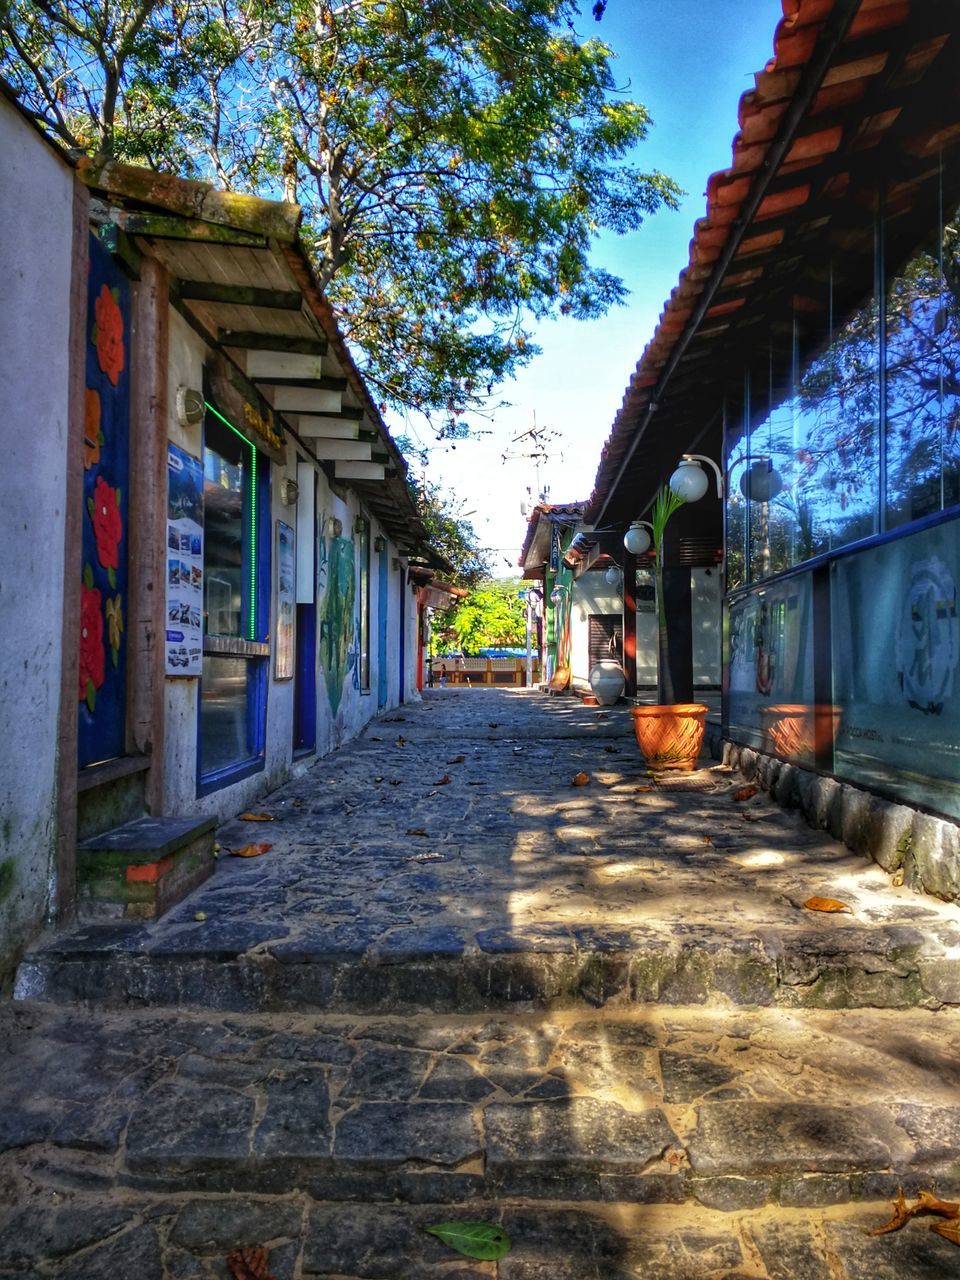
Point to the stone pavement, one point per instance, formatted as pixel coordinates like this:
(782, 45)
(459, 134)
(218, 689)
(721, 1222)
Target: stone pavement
(599, 1016)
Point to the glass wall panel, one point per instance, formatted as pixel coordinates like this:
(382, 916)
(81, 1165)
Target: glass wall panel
(771, 669)
(922, 368)
(895, 654)
(225, 479)
(226, 728)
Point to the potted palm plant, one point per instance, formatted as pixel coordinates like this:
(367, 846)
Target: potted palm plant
(669, 734)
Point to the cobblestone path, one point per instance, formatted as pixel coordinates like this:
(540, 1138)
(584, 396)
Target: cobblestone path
(458, 986)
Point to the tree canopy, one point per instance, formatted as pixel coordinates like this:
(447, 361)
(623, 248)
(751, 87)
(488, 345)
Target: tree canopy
(456, 159)
(492, 616)
(449, 533)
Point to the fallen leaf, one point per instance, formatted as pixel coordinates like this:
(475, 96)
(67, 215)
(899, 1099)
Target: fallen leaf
(898, 878)
(826, 904)
(394, 782)
(378, 778)
(441, 782)
(483, 1240)
(750, 817)
(602, 715)
(251, 850)
(494, 724)
(200, 915)
(949, 1230)
(745, 793)
(248, 1264)
(401, 741)
(416, 831)
(707, 839)
(613, 751)
(581, 780)
(257, 817)
(376, 739)
(643, 788)
(674, 1158)
(426, 856)
(927, 1202)
(457, 760)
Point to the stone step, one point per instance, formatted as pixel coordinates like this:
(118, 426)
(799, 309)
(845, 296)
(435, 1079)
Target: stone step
(173, 1237)
(245, 965)
(722, 1111)
(141, 869)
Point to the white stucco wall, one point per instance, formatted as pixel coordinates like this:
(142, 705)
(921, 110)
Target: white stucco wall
(706, 589)
(36, 213)
(335, 725)
(592, 595)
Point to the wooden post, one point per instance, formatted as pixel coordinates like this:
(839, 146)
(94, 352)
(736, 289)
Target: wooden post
(66, 873)
(146, 615)
(630, 624)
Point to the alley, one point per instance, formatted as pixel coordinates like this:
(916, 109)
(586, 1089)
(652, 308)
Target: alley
(491, 969)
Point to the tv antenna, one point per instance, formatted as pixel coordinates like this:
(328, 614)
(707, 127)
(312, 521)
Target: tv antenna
(533, 447)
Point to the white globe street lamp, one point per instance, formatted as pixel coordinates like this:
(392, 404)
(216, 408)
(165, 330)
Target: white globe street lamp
(690, 482)
(636, 540)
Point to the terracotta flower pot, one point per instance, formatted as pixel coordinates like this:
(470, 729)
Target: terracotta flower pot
(670, 737)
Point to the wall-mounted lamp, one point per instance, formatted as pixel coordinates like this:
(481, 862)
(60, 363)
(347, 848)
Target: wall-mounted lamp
(612, 576)
(334, 527)
(379, 543)
(557, 594)
(190, 407)
(690, 481)
(762, 482)
(359, 524)
(289, 492)
(636, 539)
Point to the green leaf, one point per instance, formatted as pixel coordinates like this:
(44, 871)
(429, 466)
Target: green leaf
(91, 697)
(112, 579)
(116, 295)
(117, 494)
(88, 577)
(94, 334)
(114, 655)
(101, 438)
(483, 1240)
(90, 507)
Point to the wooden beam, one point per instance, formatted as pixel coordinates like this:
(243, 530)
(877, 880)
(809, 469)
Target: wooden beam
(256, 341)
(164, 226)
(341, 450)
(348, 413)
(301, 399)
(275, 219)
(328, 427)
(358, 471)
(325, 382)
(238, 295)
(277, 366)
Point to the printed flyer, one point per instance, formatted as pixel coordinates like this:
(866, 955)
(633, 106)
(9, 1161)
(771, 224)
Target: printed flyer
(286, 608)
(184, 643)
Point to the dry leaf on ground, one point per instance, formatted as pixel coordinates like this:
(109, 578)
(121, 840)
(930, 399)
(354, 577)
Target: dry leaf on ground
(707, 839)
(927, 1202)
(257, 817)
(494, 724)
(428, 856)
(442, 782)
(416, 831)
(643, 788)
(613, 751)
(401, 741)
(826, 904)
(745, 793)
(581, 780)
(248, 1264)
(457, 760)
(394, 782)
(251, 850)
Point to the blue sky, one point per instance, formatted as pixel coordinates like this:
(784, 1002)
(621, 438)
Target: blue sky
(688, 61)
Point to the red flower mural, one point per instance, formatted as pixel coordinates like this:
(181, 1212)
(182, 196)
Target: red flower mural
(92, 653)
(107, 523)
(108, 335)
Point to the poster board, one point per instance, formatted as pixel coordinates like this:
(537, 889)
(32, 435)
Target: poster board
(286, 597)
(183, 648)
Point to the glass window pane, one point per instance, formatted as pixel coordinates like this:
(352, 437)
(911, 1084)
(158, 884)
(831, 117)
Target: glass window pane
(225, 466)
(226, 726)
(923, 394)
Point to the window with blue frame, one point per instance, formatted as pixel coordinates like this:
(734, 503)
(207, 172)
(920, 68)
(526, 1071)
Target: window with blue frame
(236, 573)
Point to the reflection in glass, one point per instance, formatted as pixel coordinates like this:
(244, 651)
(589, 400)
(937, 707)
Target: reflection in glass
(225, 720)
(224, 468)
(923, 378)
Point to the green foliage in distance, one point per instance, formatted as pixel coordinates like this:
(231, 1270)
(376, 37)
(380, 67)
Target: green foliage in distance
(492, 616)
(455, 161)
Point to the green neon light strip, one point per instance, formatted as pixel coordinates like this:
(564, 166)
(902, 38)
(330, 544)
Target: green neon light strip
(253, 516)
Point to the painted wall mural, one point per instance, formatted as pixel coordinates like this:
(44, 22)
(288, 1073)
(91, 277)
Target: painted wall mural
(338, 629)
(106, 449)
